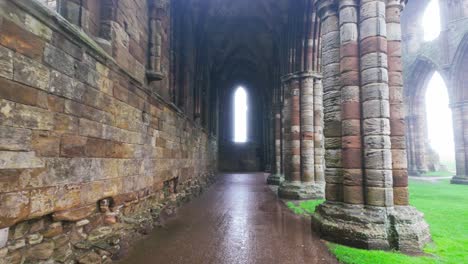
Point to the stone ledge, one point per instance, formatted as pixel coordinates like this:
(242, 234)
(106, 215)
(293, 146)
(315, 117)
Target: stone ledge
(395, 228)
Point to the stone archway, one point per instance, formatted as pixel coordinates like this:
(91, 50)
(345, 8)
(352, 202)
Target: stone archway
(417, 140)
(459, 105)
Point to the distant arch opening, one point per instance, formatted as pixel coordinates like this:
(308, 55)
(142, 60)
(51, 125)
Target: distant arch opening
(439, 127)
(240, 115)
(431, 21)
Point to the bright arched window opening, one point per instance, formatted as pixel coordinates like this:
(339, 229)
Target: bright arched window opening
(439, 121)
(240, 115)
(431, 21)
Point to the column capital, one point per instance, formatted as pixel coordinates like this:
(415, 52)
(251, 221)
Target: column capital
(395, 3)
(348, 3)
(326, 8)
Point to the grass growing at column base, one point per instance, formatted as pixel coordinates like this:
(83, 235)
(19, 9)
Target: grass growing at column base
(445, 207)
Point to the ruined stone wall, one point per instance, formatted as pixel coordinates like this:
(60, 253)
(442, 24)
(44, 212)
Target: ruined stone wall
(88, 152)
(420, 60)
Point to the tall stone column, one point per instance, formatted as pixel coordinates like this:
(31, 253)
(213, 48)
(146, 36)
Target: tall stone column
(319, 143)
(460, 130)
(331, 100)
(351, 152)
(276, 177)
(396, 100)
(373, 213)
(302, 146)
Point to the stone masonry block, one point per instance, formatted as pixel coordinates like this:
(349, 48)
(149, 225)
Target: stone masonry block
(59, 60)
(30, 72)
(6, 63)
(19, 160)
(16, 139)
(13, 206)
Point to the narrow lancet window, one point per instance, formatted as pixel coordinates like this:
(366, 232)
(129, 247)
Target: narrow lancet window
(431, 21)
(240, 115)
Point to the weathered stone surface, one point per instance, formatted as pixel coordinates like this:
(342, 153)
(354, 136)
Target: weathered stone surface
(348, 224)
(90, 258)
(16, 139)
(21, 40)
(20, 93)
(41, 251)
(301, 190)
(6, 63)
(74, 214)
(59, 60)
(17, 244)
(13, 206)
(19, 160)
(31, 73)
(35, 239)
(53, 230)
(63, 85)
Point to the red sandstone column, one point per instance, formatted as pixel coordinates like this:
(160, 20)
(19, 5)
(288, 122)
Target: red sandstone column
(353, 192)
(287, 154)
(372, 220)
(375, 104)
(276, 177)
(294, 131)
(304, 177)
(307, 128)
(318, 135)
(331, 99)
(397, 111)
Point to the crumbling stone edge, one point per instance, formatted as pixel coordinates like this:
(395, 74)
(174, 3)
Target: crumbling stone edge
(400, 228)
(100, 232)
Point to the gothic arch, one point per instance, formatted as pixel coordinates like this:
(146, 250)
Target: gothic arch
(417, 142)
(459, 105)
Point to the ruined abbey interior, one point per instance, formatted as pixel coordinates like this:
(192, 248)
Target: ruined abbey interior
(117, 119)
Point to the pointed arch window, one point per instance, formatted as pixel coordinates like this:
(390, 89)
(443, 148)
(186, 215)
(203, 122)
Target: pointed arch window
(240, 115)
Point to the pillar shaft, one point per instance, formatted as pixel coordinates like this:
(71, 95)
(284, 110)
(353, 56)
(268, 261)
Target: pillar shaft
(397, 111)
(331, 100)
(276, 176)
(353, 192)
(366, 129)
(460, 129)
(303, 147)
(319, 148)
(375, 104)
(307, 129)
(278, 162)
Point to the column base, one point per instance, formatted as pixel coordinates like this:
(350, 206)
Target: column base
(417, 172)
(459, 180)
(301, 191)
(275, 179)
(399, 228)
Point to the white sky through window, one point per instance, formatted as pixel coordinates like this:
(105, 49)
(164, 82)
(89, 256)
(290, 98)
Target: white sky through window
(240, 115)
(439, 119)
(431, 21)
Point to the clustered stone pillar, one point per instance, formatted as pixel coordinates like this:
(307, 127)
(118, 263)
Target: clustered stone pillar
(417, 139)
(303, 161)
(367, 200)
(276, 177)
(460, 129)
